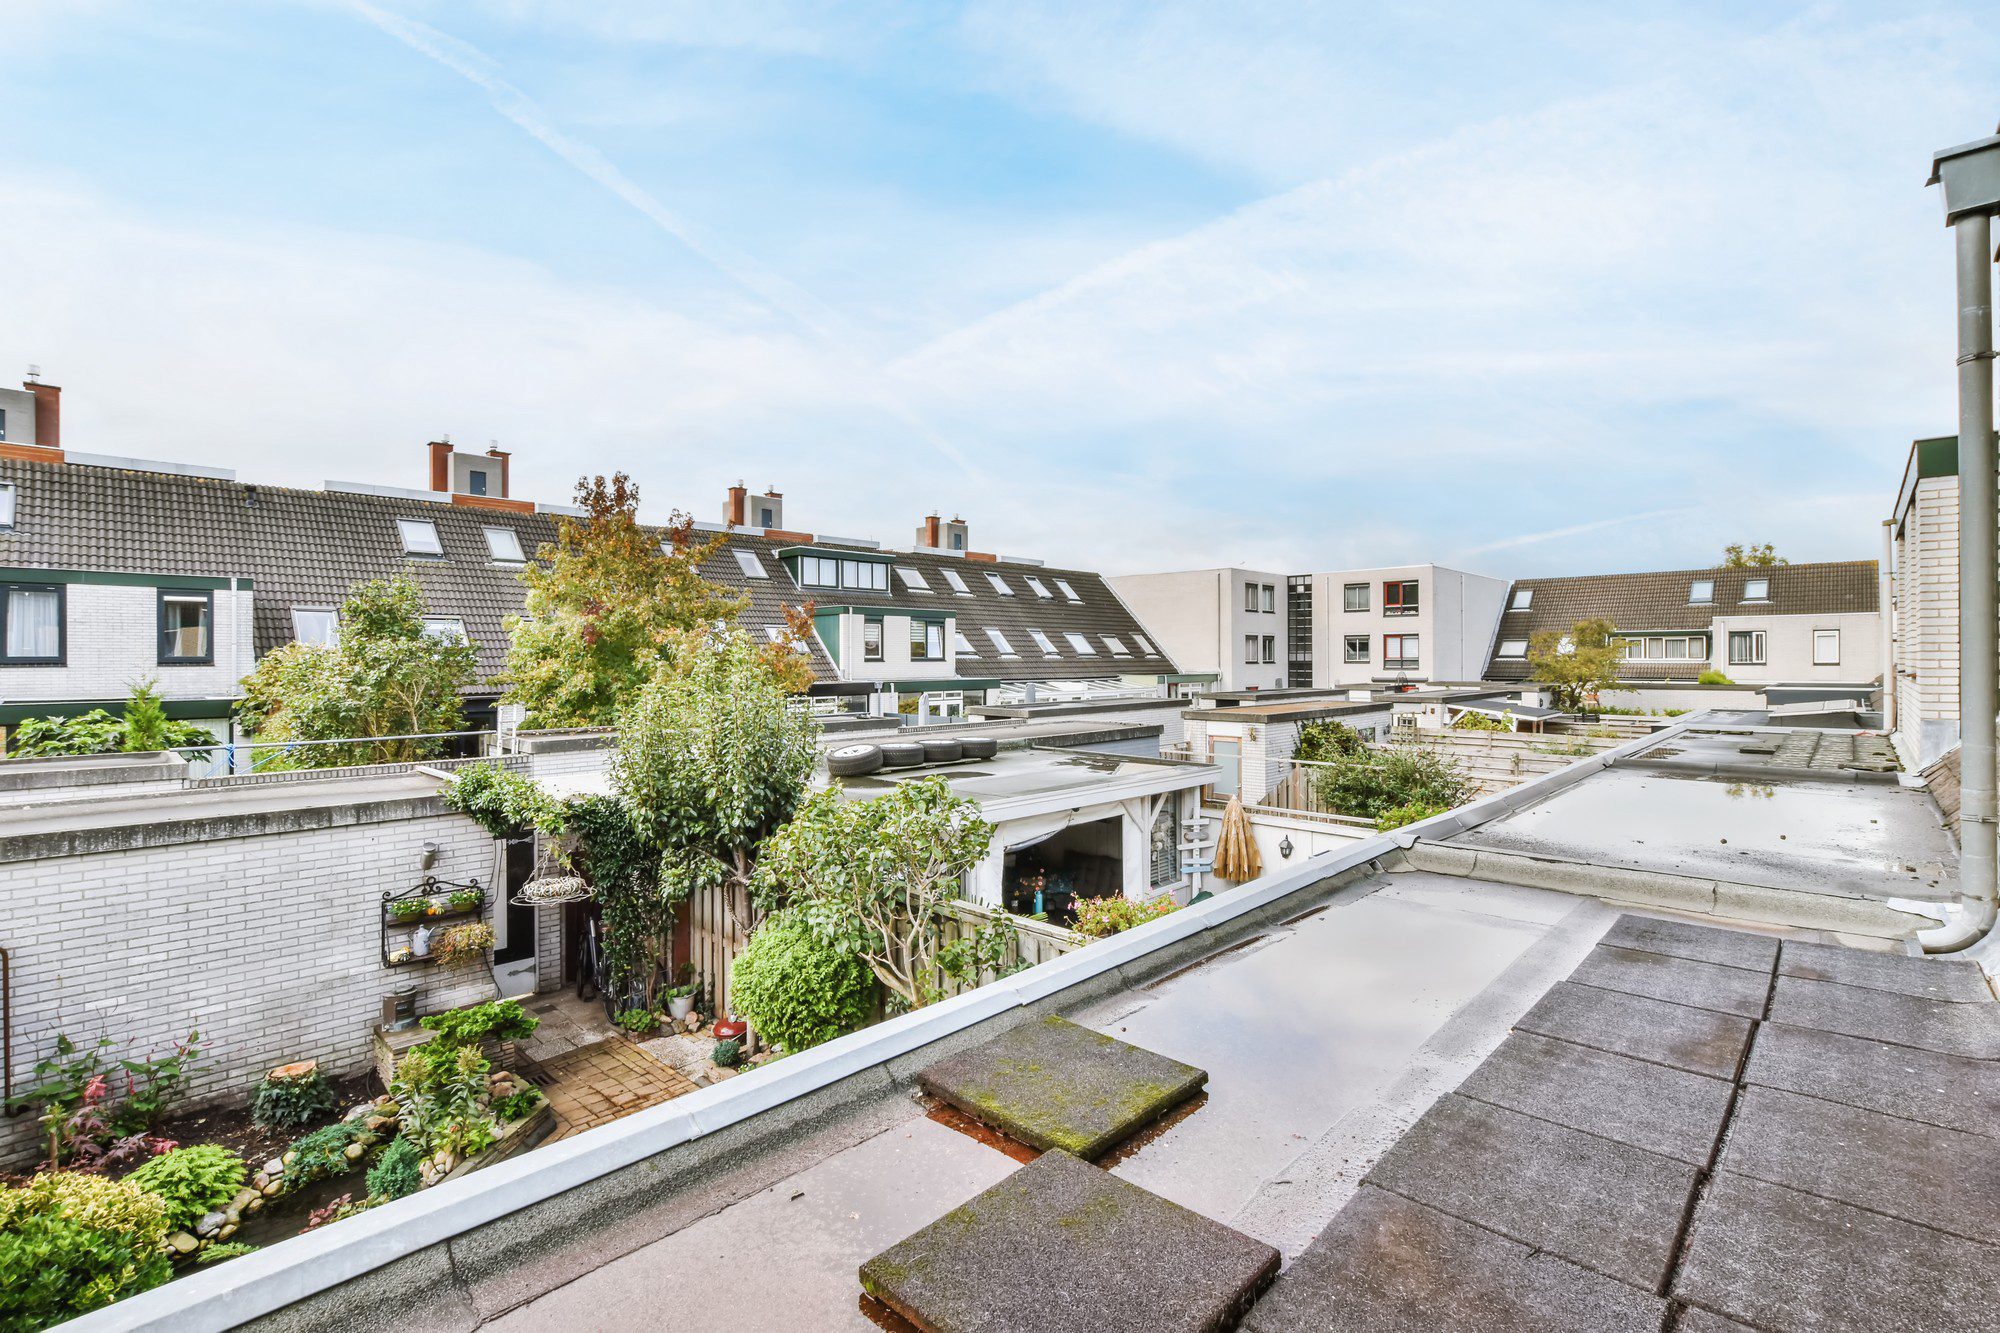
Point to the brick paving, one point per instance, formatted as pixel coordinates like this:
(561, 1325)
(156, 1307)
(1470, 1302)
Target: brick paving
(593, 1085)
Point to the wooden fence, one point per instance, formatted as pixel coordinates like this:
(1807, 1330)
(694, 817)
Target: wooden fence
(1492, 760)
(1034, 941)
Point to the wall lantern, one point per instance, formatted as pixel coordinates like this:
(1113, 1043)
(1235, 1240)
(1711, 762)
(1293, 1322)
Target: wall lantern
(1285, 847)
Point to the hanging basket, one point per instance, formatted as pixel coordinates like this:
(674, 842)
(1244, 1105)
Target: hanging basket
(552, 891)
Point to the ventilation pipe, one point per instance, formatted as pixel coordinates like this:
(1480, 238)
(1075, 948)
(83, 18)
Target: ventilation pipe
(1971, 177)
(1885, 598)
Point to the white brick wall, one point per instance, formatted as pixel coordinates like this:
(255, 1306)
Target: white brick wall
(112, 642)
(268, 945)
(1927, 617)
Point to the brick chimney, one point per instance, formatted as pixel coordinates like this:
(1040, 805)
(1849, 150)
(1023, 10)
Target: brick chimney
(48, 413)
(733, 507)
(502, 455)
(927, 535)
(440, 465)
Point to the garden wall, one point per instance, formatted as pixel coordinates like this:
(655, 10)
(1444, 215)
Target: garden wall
(251, 921)
(1496, 761)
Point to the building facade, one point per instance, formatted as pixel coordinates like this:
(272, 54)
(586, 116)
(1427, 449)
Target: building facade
(1230, 623)
(1924, 594)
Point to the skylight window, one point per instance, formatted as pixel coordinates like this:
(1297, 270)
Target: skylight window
(1000, 644)
(1117, 646)
(999, 585)
(913, 579)
(777, 635)
(1144, 646)
(1757, 590)
(316, 626)
(1043, 642)
(6, 504)
(1079, 643)
(1523, 599)
(1040, 589)
(748, 562)
(420, 536)
(1513, 648)
(444, 627)
(1068, 591)
(504, 545)
(1701, 592)
(957, 583)
(965, 648)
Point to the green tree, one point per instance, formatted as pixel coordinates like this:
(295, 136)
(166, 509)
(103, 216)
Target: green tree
(1577, 666)
(1369, 785)
(796, 988)
(1738, 555)
(874, 876)
(1327, 740)
(147, 726)
(712, 757)
(383, 677)
(608, 601)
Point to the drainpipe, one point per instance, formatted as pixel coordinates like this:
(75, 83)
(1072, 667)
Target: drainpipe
(1885, 595)
(1978, 615)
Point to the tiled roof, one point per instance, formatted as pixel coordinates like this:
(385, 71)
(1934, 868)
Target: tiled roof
(1658, 602)
(307, 548)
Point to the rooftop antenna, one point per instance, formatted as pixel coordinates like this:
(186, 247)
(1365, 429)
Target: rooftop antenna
(34, 373)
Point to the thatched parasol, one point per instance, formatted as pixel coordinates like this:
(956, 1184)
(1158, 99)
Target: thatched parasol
(1235, 849)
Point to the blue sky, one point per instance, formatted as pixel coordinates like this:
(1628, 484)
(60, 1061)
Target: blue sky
(1528, 288)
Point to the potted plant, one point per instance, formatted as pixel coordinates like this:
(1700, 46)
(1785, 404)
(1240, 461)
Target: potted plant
(680, 1001)
(464, 900)
(408, 909)
(455, 944)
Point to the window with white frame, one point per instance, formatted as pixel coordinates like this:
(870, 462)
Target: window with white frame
(444, 627)
(913, 579)
(1756, 590)
(1354, 597)
(1250, 649)
(1080, 644)
(965, 648)
(1117, 646)
(1746, 647)
(957, 583)
(1043, 642)
(1269, 647)
(999, 585)
(1068, 591)
(32, 624)
(315, 626)
(1039, 588)
(187, 620)
(750, 563)
(1145, 645)
(1399, 652)
(6, 502)
(1000, 644)
(1268, 598)
(1666, 648)
(504, 545)
(1249, 597)
(1354, 648)
(1523, 599)
(420, 536)
(1701, 592)
(1512, 648)
(1826, 647)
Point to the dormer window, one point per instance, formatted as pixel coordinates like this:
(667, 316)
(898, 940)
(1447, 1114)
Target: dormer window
(1701, 592)
(999, 585)
(420, 536)
(747, 561)
(504, 545)
(957, 583)
(1756, 590)
(913, 579)
(1068, 591)
(1039, 588)
(821, 571)
(6, 503)
(1523, 599)
(1043, 642)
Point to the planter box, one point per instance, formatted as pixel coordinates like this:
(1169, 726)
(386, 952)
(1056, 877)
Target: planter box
(390, 1045)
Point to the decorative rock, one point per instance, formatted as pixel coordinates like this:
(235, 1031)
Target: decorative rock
(283, 1162)
(226, 1232)
(376, 1121)
(245, 1195)
(255, 1205)
(357, 1112)
(210, 1223)
(272, 1189)
(275, 1167)
(182, 1243)
(233, 1214)
(353, 1152)
(386, 1105)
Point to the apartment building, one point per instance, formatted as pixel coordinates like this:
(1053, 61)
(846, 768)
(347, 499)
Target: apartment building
(1812, 624)
(1359, 628)
(116, 570)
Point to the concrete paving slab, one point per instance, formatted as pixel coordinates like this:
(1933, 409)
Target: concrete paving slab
(1703, 944)
(1699, 1040)
(1905, 1020)
(1388, 1265)
(1928, 978)
(1611, 1208)
(1950, 1091)
(1057, 1084)
(1778, 1259)
(1937, 1177)
(1061, 1245)
(1693, 1319)
(1729, 990)
(1667, 1111)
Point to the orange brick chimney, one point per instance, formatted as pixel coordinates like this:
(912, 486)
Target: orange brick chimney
(734, 508)
(503, 456)
(440, 465)
(46, 447)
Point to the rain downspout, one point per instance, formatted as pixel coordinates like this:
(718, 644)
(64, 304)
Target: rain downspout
(1885, 596)
(1978, 617)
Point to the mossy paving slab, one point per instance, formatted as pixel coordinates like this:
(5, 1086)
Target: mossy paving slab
(1054, 1084)
(1061, 1246)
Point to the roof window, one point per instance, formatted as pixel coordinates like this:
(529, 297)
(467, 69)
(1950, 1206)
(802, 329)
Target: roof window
(1040, 588)
(316, 626)
(420, 536)
(1512, 648)
(913, 579)
(445, 627)
(1079, 643)
(1145, 646)
(1043, 642)
(1117, 646)
(1068, 591)
(504, 545)
(6, 503)
(1756, 590)
(1523, 599)
(957, 583)
(748, 562)
(1000, 644)
(965, 648)
(1701, 592)
(999, 585)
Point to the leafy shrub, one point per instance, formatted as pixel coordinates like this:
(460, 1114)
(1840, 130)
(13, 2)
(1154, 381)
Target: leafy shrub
(498, 1020)
(395, 1173)
(439, 1088)
(1327, 740)
(192, 1181)
(322, 1154)
(1406, 814)
(73, 1243)
(1395, 775)
(1713, 677)
(1099, 917)
(290, 1103)
(81, 1118)
(641, 1021)
(503, 803)
(467, 939)
(145, 726)
(516, 1105)
(228, 1249)
(1480, 722)
(798, 990)
(727, 1054)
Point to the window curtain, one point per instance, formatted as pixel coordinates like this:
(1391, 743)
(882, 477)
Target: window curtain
(34, 622)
